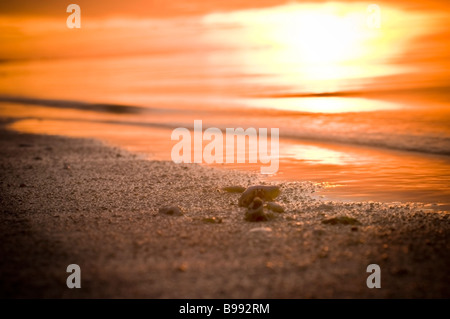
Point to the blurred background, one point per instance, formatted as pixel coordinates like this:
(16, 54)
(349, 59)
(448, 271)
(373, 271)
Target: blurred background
(362, 108)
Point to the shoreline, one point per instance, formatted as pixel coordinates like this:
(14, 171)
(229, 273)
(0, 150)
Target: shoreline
(70, 200)
(348, 172)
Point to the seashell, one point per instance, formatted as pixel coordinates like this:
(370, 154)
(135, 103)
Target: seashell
(266, 193)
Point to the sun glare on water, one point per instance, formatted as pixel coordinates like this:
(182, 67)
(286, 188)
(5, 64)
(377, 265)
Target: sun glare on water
(315, 47)
(318, 37)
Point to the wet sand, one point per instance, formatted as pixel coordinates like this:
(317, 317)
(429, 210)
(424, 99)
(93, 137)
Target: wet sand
(70, 200)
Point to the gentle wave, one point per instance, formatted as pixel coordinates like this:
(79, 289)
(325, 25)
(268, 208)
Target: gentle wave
(390, 130)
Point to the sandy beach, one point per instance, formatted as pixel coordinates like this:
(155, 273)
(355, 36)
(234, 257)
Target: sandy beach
(100, 100)
(79, 201)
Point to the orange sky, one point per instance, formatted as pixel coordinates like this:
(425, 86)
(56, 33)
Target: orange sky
(161, 8)
(410, 52)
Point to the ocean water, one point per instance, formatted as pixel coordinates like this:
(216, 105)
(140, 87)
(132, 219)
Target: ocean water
(165, 91)
(364, 147)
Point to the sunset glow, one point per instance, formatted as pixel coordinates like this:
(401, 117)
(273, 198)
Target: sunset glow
(318, 70)
(224, 150)
(319, 46)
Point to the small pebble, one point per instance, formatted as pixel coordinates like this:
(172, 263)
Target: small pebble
(255, 211)
(275, 207)
(171, 210)
(342, 220)
(182, 268)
